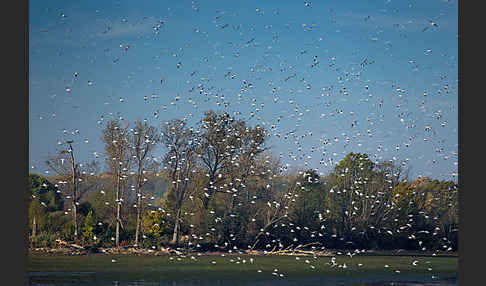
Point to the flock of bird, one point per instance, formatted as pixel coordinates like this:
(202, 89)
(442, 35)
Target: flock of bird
(316, 106)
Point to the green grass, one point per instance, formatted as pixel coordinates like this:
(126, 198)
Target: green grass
(158, 268)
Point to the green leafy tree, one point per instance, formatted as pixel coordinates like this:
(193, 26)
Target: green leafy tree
(349, 182)
(44, 198)
(155, 224)
(309, 203)
(89, 226)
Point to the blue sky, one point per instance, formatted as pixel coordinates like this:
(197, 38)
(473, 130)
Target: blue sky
(327, 78)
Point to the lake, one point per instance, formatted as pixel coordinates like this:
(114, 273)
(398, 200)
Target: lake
(236, 270)
(85, 278)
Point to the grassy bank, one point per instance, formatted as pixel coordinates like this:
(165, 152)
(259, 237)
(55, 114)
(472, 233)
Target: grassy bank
(160, 268)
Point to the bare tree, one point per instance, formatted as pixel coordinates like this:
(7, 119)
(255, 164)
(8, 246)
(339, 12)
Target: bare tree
(64, 165)
(243, 165)
(387, 175)
(226, 144)
(143, 141)
(274, 210)
(180, 162)
(74, 186)
(116, 139)
(216, 134)
(361, 195)
(241, 170)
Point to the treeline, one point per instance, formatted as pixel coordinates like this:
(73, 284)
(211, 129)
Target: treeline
(225, 190)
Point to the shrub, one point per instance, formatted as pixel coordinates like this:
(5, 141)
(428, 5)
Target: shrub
(124, 243)
(67, 231)
(56, 222)
(44, 240)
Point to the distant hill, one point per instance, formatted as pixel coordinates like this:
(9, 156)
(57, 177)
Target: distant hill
(155, 186)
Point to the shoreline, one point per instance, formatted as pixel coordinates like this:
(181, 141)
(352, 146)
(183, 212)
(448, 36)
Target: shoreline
(132, 251)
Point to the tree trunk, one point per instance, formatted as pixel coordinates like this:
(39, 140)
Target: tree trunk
(175, 236)
(74, 193)
(117, 231)
(75, 215)
(139, 211)
(139, 202)
(206, 199)
(117, 234)
(34, 228)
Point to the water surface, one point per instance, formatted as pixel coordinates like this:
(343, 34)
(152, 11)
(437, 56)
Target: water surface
(86, 278)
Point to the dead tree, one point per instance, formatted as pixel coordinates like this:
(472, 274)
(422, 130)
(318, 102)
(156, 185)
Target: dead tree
(116, 139)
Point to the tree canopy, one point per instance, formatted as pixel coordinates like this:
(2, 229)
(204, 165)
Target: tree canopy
(218, 186)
